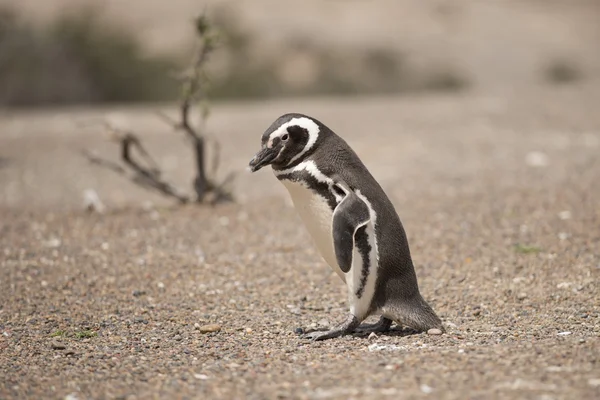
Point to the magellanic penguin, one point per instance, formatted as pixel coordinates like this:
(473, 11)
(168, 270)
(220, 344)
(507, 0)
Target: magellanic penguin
(352, 222)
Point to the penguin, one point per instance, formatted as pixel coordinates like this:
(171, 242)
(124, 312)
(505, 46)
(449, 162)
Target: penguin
(352, 222)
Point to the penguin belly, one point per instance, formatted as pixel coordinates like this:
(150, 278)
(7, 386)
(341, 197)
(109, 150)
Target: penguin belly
(317, 217)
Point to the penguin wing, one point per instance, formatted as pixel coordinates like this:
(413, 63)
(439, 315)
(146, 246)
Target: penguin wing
(351, 214)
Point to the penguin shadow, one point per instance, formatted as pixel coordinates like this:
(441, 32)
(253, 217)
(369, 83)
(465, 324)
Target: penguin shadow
(396, 331)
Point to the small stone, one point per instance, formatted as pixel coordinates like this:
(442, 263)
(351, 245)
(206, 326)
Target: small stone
(53, 243)
(138, 293)
(56, 345)
(248, 330)
(536, 159)
(298, 331)
(595, 382)
(563, 333)
(563, 235)
(209, 328)
(372, 336)
(323, 322)
(160, 285)
(177, 338)
(426, 389)
(201, 377)
(294, 310)
(92, 202)
(434, 331)
(521, 296)
(224, 221)
(564, 215)
(70, 352)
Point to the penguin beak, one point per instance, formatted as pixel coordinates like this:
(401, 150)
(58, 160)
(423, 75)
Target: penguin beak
(263, 158)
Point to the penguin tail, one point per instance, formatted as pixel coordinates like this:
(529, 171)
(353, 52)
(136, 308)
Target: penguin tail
(416, 314)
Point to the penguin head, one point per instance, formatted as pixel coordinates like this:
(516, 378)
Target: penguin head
(288, 140)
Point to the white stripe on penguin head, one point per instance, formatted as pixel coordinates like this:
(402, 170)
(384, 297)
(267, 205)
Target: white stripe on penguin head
(311, 127)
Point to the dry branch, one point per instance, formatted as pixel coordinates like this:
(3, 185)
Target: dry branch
(145, 176)
(194, 92)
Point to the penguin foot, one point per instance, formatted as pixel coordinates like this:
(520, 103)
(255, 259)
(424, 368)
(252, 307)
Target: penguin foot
(383, 325)
(347, 327)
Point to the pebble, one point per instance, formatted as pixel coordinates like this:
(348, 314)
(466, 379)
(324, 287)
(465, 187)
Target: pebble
(209, 328)
(563, 235)
(177, 338)
(323, 322)
(138, 293)
(56, 345)
(595, 382)
(53, 243)
(536, 159)
(434, 331)
(298, 331)
(564, 215)
(426, 389)
(372, 336)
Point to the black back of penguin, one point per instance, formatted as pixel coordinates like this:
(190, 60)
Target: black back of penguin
(396, 275)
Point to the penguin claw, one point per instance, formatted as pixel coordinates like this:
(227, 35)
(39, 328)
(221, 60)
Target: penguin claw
(346, 328)
(322, 335)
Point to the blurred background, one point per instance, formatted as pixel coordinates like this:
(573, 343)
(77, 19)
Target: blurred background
(396, 78)
(96, 51)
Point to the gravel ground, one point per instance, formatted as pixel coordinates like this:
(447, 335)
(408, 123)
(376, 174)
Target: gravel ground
(499, 196)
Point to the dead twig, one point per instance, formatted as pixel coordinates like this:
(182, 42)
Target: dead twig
(147, 177)
(194, 92)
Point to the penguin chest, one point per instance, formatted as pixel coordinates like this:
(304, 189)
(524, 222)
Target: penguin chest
(317, 216)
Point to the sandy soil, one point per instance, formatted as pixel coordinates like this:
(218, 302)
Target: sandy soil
(499, 196)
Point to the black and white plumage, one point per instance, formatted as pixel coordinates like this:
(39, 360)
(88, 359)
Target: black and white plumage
(351, 220)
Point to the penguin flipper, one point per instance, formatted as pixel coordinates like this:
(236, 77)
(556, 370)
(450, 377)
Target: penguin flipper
(351, 214)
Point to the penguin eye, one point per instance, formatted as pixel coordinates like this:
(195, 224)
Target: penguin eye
(285, 137)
